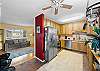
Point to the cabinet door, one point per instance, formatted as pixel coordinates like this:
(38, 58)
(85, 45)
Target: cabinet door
(82, 47)
(64, 27)
(75, 27)
(58, 28)
(70, 29)
(74, 46)
(62, 43)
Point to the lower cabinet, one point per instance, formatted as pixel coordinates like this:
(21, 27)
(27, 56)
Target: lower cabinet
(91, 60)
(74, 46)
(79, 46)
(62, 43)
(82, 47)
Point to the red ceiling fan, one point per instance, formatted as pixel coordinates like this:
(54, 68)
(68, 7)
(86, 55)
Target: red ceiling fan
(56, 4)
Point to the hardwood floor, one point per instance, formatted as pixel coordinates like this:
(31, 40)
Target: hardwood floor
(31, 65)
(22, 59)
(27, 62)
(1, 52)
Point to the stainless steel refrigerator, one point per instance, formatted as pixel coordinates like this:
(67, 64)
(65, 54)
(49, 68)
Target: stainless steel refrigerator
(50, 43)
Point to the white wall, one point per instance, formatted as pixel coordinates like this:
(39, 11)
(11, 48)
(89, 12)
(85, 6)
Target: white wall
(93, 2)
(0, 10)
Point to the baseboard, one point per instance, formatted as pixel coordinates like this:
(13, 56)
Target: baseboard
(74, 50)
(39, 59)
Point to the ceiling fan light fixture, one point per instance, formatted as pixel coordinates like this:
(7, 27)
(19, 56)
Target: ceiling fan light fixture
(56, 11)
(61, 1)
(56, 4)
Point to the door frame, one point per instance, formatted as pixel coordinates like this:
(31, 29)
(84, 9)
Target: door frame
(3, 48)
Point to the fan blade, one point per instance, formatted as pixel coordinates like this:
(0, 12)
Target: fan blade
(56, 11)
(61, 1)
(46, 8)
(53, 1)
(66, 6)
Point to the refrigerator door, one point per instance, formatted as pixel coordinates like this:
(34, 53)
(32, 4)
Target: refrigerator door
(50, 43)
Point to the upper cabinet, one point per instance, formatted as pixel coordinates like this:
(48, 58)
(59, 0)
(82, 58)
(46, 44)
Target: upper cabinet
(65, 29)
(77, 26)
(69, 28)
(53, 24)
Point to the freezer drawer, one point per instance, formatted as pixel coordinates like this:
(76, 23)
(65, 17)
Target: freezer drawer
(50, 54)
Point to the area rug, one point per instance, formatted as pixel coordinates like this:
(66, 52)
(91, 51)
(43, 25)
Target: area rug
(64, 61)
(19, 52)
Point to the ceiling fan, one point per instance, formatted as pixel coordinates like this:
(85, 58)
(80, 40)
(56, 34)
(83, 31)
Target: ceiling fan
(56, 4)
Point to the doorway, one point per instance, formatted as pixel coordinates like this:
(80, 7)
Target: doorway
(1, 39)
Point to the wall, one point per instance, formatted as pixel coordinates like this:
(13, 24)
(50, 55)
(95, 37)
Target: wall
(66, 29)
(28, 29)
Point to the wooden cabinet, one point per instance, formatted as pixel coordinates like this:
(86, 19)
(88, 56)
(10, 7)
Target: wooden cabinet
(82, 47)
(48, 22)
(58, 28)
(74, 45)
(66, 29)
(63, 43)
(69, 28)
(79, 46)
(63, 29)
(91, 61)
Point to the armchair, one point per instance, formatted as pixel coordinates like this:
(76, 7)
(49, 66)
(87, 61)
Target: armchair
(5, 63)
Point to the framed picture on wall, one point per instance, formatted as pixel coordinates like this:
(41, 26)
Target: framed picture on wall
(38, 29)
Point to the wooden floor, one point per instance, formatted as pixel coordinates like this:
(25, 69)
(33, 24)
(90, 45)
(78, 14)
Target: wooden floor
(26, 62)
(29, 63)
(22, 59)
(1, 52)
(33, 64)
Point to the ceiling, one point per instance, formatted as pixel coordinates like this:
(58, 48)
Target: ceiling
(22, 12)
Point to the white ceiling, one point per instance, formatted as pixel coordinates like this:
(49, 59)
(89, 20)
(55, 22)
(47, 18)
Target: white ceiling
(22, 12)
